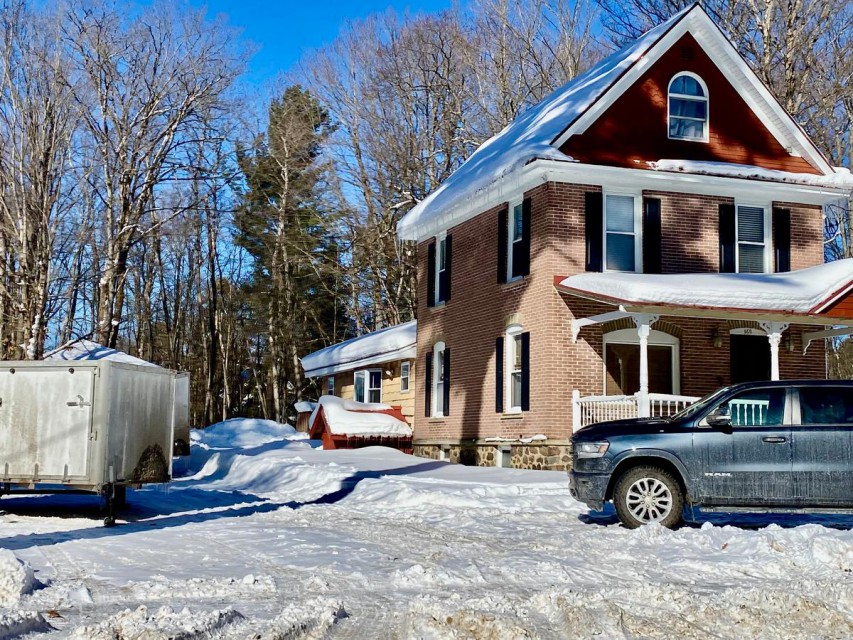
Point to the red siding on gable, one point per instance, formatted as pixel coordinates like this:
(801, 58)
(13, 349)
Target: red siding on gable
(843, 308)
(634, 129)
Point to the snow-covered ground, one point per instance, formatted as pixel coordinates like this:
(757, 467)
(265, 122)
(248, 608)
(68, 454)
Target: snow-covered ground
(275, 539)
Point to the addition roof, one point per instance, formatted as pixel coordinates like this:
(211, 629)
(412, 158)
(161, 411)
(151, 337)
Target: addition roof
(385, 345)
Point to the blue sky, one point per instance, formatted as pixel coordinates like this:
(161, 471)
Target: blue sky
(283, 30)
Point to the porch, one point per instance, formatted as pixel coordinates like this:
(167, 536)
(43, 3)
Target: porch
(757, 315)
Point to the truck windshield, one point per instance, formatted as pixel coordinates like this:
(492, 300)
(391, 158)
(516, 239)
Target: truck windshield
(700, 405)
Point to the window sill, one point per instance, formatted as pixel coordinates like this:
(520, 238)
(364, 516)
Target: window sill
(512, 415)
(436, 420)
(511, 284)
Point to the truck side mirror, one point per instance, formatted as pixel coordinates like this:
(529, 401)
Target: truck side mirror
(720, 417)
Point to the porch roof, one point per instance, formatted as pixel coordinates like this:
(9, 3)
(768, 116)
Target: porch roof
(816, 295)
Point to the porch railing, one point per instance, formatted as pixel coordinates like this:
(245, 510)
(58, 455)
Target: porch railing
(592, 409)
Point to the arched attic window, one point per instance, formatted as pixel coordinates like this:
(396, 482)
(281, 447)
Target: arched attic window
(688, 108)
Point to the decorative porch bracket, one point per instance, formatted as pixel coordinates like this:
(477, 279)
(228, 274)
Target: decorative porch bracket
(774, 332)
(580, 323)
(644, 322)
(808, 338)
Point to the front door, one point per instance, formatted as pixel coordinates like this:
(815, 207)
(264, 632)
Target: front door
(749, 463)
(749, 357)
(823, 446)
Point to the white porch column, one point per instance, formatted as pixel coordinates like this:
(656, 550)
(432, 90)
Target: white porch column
(644, 321)
(774, 332)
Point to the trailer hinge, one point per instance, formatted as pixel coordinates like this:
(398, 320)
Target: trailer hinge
(94, 435)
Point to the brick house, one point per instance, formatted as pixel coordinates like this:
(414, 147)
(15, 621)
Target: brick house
(375, 367)
(551, 265)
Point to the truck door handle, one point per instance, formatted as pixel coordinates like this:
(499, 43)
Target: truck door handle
(774, 439)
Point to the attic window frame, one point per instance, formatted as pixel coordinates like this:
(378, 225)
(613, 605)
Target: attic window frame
(706, 98)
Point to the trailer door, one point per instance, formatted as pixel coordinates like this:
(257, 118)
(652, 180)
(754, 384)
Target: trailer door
(45, 423)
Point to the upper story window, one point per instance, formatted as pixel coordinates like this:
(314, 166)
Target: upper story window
(368, 385)
(688, 108)
(752, 233)
(438, 278)
(514, 241)
(515, 236)
(621, 237)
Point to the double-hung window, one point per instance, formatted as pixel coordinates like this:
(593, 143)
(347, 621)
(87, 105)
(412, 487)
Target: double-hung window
(514, 367)
(515, 237)
(441, 266)
(621, 249)
(405, 373)
(752, 239)
(368, 385)
(439, 380)
(439, 261)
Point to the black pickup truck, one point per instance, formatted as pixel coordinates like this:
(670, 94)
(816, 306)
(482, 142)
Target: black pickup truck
(783, 446)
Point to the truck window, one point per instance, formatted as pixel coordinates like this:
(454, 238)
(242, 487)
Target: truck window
(826, 405)
(757, 408)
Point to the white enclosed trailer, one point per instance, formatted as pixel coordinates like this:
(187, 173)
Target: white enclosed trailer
(90, 425)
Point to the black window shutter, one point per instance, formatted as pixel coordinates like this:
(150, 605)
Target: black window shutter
(431, 275)
(782, 239)
(428, 385)
(446, 381)
(499, 375)
(727, 238)
(503, 217)
(525, 371)
(651, 235)
(444, 285)
(594, 222)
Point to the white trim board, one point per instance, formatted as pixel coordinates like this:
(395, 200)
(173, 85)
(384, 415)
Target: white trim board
(620, 179)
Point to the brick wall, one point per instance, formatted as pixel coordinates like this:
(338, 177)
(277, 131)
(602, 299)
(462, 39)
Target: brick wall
(481, 309)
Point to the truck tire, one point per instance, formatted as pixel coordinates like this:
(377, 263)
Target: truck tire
(648, 494)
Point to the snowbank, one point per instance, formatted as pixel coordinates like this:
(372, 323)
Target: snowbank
(16, 579)
(347, 417)
(163, 624)
(243, 433)
(840, 179)
(795, 292)
(385, 345)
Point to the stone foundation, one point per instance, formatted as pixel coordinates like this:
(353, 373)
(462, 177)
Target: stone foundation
(551, 455)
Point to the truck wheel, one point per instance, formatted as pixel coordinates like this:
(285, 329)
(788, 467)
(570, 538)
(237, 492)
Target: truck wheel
(648, 494)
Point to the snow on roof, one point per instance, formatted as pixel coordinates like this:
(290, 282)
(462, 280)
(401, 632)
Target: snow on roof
(841, 178)
(304, 406)
(802, 291)
(386, 345)
(87, 350)
(529, 137)
(348, 417)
